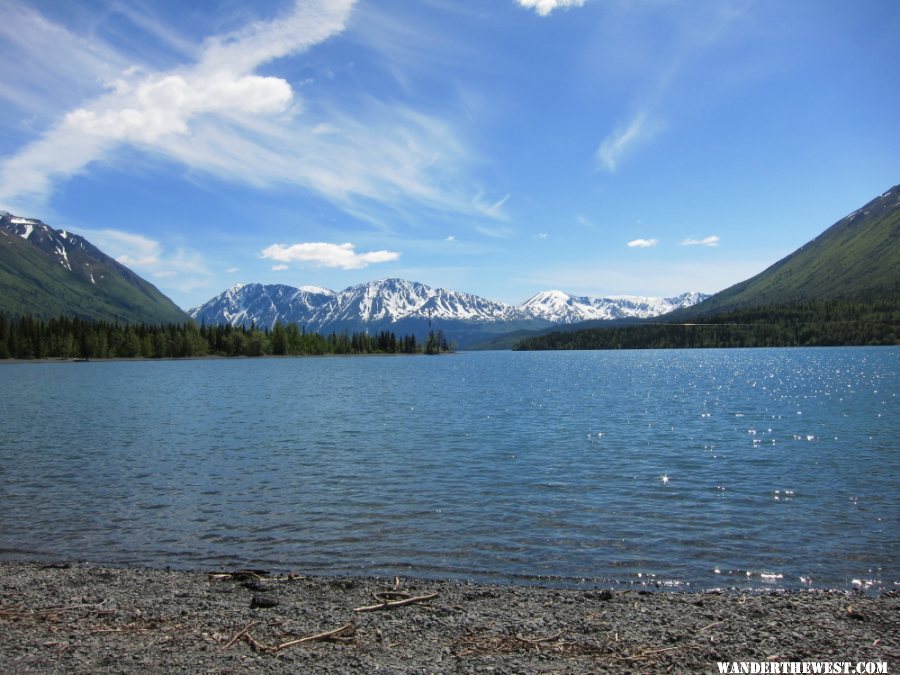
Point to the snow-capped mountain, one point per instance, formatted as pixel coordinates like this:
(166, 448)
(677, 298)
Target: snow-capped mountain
(55, 243)
(561, 307)
(395, 299)
(377, 302)
(413, 307)
(51, 272)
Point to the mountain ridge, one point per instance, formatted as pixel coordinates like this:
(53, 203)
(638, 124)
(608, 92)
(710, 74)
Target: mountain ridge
(46, 273)
(413, 306)
(856, 257)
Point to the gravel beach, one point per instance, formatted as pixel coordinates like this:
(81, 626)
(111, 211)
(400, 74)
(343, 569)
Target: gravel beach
(65, 618)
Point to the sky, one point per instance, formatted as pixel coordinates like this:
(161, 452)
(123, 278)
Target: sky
(496, 147)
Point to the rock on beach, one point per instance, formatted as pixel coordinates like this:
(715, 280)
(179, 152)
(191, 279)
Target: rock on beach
(87, 619)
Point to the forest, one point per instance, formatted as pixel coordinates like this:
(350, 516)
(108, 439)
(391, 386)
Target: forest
(72, 338)
(819, 323)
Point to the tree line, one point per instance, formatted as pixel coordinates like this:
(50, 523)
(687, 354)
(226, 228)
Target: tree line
(27, 337)
(818, 323)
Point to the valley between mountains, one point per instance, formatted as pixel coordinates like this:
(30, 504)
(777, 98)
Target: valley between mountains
(840, 288)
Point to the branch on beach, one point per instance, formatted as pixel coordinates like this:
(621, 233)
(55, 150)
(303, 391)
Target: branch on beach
(336, 634)
(390, 604)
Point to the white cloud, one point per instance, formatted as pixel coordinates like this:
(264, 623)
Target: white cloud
(149, 108)
(544, 7)
(324, 254)
(217, 115)
(543, 235)
(184, 269)
(616, 145)
(450, 238)
(643, 243)
(163, 105)
(708, 241)
(232, 270)
(280, 268)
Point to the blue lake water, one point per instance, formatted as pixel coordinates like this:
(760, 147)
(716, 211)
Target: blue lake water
(688, 469)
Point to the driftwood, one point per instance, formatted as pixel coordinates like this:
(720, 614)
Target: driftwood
(390, 604)
(268, 649)
(327, 635)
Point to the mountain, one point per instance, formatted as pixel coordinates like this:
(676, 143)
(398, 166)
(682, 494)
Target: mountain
(47, 273)
(411, 307)
(375, 303)
(857, 258)
(560, 307)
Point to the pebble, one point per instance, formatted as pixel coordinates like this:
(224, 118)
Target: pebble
(263, 601)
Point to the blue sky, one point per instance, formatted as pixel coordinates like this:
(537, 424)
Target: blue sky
(498, 147)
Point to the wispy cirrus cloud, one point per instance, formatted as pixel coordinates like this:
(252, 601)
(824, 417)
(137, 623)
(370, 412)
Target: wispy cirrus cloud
(343, 256)
(641, 129)
(545, 7)
(712, 240)
(150, 110)
(181, 267)
(218, 116)
(493, 210)
(47, 66)
(658, 64)
(642, 243)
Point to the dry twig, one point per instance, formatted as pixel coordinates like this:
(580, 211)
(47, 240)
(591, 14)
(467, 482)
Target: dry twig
(389, 604)
(327, 635)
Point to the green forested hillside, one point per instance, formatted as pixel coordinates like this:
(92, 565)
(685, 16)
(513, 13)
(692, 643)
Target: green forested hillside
(50, 273)
(842, 288)
(856, 258)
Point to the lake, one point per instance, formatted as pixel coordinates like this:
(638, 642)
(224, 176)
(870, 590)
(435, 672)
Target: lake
(685, 469)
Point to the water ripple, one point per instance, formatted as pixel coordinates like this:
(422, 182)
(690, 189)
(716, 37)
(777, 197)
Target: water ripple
(746, 468)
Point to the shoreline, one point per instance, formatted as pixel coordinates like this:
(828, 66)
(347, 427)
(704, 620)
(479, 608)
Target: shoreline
(76, 617)
(205, 357)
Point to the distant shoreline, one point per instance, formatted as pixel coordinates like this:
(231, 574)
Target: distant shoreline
(207, 357)
(66, 617)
